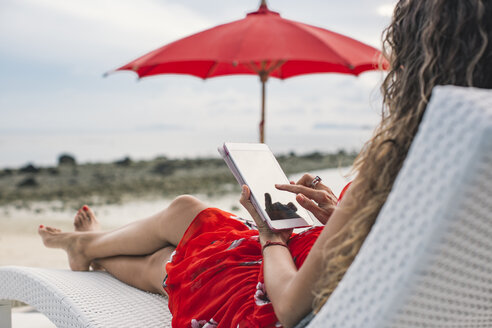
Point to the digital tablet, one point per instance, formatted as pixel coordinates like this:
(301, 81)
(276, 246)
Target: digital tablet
(255, 166)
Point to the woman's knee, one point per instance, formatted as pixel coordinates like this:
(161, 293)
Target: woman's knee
(187, 202)
(179, 215)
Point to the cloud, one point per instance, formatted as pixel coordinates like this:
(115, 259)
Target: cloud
(76, 31)
(344, 127)
(386, 10)
(159, 127)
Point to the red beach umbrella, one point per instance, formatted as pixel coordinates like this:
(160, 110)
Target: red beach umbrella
(264, 44)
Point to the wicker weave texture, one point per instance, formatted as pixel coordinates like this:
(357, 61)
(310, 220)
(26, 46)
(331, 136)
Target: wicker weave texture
(83, 299)
(428, 259)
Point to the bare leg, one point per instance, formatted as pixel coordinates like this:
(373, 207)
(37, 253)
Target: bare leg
(143, 237)
(144, 272)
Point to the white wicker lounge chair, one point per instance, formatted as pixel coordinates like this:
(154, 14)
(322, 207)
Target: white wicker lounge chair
(426, 263)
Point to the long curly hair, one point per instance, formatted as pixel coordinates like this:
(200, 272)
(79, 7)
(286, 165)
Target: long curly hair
(428, 43)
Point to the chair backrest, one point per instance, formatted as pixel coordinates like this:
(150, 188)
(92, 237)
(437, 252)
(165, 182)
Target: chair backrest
(427, 262)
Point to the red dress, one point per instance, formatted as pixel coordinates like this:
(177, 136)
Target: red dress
(215, 276)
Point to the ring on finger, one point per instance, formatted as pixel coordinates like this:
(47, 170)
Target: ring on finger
(315, 182)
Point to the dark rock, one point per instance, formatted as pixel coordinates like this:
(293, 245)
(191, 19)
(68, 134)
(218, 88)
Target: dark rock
(29, 168)
(165, 168)
(6, 172)
(124, 162)
(186, 164)
(99, 178)
(66, 159)
(314, 155)
(53, 171)
(29, 182)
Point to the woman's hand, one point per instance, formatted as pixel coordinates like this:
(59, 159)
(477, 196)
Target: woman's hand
(320, 200)
(266, 234)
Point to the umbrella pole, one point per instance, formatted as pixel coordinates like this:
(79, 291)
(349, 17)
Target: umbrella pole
(264, 72)
(262, 122)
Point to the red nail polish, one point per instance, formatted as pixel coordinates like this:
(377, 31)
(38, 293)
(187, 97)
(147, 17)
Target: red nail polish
(85, 208)
(41, 226)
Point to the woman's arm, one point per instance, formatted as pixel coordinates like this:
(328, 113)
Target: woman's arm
(290, 290)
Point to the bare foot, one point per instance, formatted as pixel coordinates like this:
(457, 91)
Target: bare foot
(71, 242)
(85, 220)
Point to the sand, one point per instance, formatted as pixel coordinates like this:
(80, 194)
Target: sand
(27, 317)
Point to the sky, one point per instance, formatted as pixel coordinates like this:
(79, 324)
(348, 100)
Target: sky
(54, 98)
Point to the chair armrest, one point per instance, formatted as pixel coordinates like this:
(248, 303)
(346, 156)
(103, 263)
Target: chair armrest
(83, 299)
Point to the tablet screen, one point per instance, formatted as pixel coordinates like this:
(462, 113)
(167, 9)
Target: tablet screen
(261, 171)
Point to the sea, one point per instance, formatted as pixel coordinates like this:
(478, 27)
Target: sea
(43, 149)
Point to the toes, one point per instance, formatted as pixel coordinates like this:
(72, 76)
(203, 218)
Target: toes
(76, 221)
(82, 214)
(91, 214)
(81, 217)
(88, 212)
(85, 220)
(85, 214)
(44, 230)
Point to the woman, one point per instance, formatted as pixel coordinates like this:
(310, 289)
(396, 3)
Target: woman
(220, 273)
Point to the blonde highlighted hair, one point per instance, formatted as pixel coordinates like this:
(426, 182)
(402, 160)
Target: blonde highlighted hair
(428, 43)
